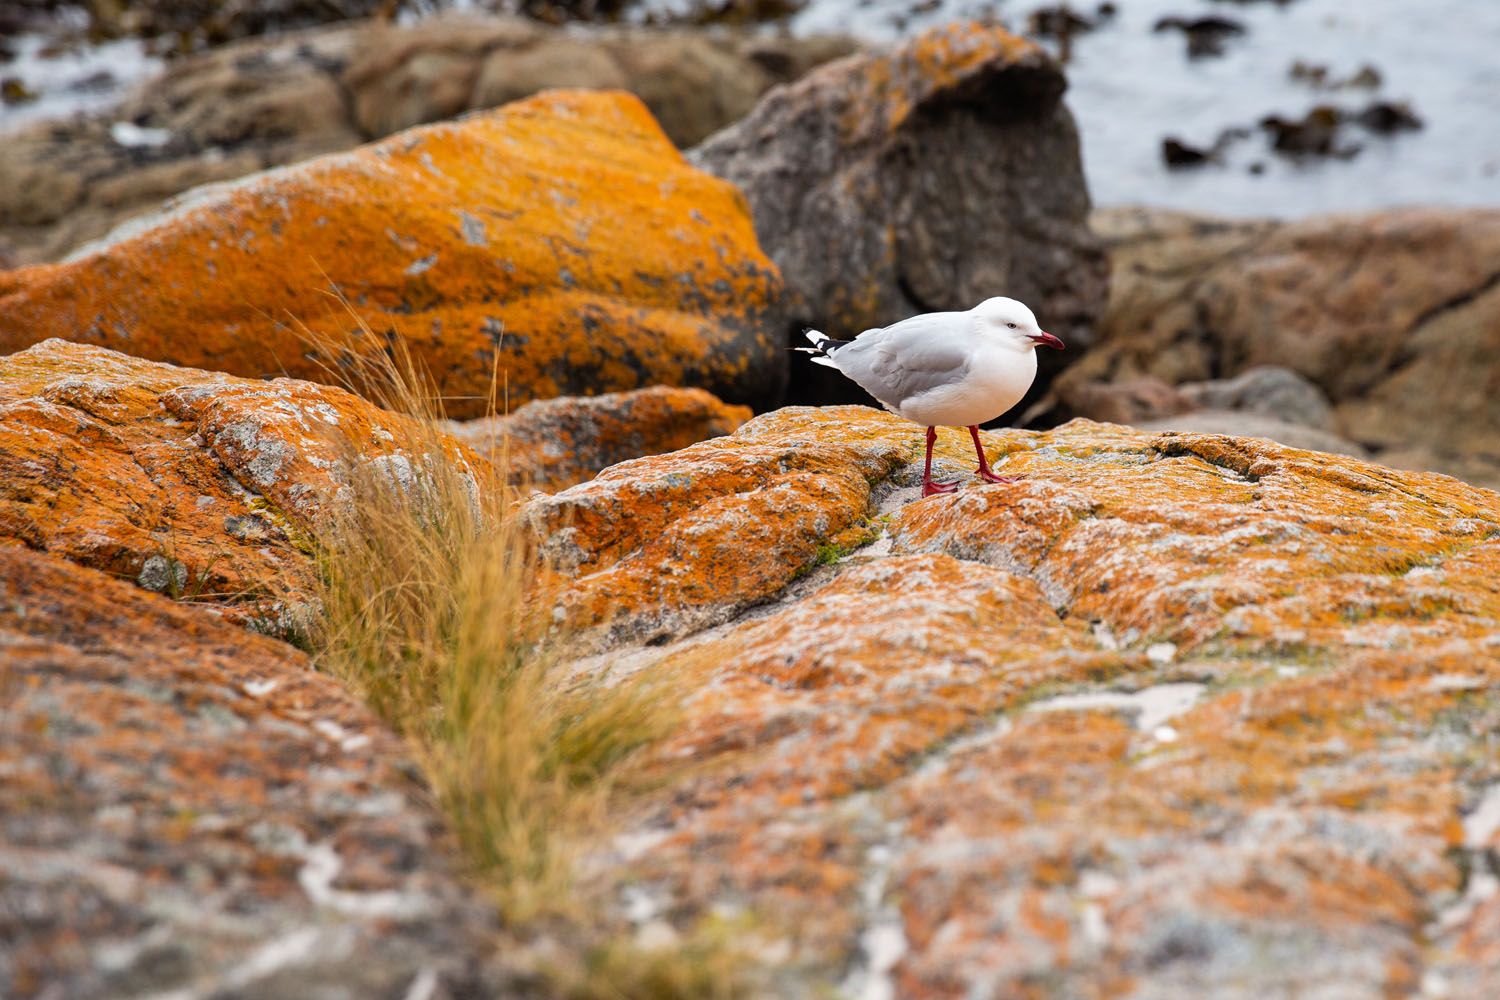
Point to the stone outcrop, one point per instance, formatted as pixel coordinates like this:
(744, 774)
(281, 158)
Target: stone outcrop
(1174, 715)
(191, 810)
(561, 245)
(266, 102)
(1394, 315)
(554, 443)
(194, 484)
(927, 178)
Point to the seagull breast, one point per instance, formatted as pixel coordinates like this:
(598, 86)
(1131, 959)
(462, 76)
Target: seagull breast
(994, 380)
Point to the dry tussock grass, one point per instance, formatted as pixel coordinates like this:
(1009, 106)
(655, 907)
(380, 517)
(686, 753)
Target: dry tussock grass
(427, 594)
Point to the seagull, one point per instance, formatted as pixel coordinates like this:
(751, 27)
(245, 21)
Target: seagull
(944, 369)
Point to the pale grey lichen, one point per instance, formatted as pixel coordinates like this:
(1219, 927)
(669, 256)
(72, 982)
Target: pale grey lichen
(163, 575)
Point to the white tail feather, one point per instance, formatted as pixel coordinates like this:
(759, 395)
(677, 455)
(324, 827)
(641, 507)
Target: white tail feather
(825, 362)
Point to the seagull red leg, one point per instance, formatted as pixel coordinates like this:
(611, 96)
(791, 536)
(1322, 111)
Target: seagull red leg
(930, 488)
(985, 472)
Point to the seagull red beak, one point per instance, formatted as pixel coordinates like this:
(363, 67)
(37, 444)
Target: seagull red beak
(1046, 340)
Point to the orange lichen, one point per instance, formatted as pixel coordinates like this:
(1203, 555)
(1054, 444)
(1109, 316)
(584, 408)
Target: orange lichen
(1336, 620)
(666, 543)
(562, 241)
(196, 484)
(887, 90)
(551, 444)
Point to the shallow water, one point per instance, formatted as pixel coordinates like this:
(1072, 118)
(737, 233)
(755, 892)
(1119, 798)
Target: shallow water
(72, 82)
(1131, 87)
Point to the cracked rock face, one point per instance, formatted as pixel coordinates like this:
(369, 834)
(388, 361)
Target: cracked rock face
(1394, 315)
(927, 178)
(562, 240)
(191, 483)
(1173, 715)
(190, 807)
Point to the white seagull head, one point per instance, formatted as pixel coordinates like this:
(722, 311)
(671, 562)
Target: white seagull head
(1013, 320)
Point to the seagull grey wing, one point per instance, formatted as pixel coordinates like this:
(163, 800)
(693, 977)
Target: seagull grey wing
(901, 362)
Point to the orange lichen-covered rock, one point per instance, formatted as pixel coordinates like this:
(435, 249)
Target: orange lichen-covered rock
(191, 810)
(664, 545)
(553, 443)
(1172, 715)
(560, 245)
(191, 483)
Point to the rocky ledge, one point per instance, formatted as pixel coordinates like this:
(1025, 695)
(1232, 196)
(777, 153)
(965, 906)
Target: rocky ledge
(189, 810)
(1173, 715)
(553, 443)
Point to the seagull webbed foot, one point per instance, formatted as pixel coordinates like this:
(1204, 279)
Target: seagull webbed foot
(931, 488)
(991, 476)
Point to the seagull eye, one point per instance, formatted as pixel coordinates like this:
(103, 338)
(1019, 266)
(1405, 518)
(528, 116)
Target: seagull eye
(1011, 325)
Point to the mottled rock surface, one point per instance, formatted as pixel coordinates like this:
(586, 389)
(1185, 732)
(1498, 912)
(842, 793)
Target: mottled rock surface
(1173, 715)
(1394, 315)
(562, 241)
(266, 102)
(194, 484)
(189, 807)
(553, 443)
(927, 178)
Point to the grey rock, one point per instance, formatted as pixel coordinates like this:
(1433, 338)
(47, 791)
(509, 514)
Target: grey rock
(1269, 391)
(927, 178)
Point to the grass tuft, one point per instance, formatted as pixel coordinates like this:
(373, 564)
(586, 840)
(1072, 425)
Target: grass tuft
(426, 595)
(425, 577)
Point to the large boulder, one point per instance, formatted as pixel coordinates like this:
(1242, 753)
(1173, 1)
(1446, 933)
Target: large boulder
(265, 102)
(191, 810)
(1181, 715)
(195, 484)
(553, 443)
(561, 245)
(930, 177)
(1394, 315)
